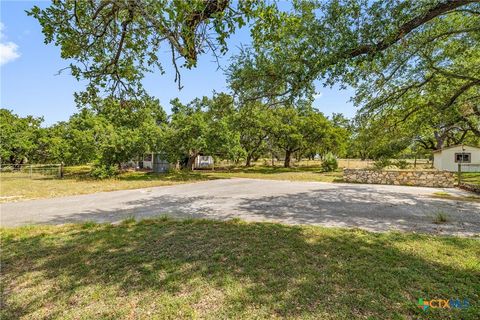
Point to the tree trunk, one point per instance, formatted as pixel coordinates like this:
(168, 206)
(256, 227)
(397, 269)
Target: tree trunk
(288, 156)
(299, 156)
(439, 138)
(248, 160)
(363, 156)
(191, 162)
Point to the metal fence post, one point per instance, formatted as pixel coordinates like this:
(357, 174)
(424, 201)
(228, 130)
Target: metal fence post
(459, 173)
(61, 170)
(30, 171)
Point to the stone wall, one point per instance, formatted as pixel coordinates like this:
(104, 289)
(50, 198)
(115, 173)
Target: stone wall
(427, 178)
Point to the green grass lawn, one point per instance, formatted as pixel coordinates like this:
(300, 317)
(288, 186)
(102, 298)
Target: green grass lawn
(449, 196)
(170, 269)
(78, 181)
(471, 177)
(17, 189)
(303, 173)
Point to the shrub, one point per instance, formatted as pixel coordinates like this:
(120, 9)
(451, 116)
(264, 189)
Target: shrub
(329, 163)
(440, 217)
(382, 163)
(101, 171)
(402, 164)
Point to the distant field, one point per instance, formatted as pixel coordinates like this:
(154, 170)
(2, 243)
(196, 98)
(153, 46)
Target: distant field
(278, 173)
(342, 163)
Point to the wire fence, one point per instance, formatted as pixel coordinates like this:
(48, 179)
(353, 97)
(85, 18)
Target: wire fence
(470, 167)
(419, 164)
(31, 171)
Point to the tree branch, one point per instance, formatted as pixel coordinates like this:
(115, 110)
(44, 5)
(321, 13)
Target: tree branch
(408, 27)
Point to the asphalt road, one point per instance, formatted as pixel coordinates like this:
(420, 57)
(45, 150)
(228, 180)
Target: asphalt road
(370, 207)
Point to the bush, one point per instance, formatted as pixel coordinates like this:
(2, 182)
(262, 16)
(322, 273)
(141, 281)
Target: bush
(329, 163)
(382, 163)
(402, 164)
(102, 171)
(440, 217)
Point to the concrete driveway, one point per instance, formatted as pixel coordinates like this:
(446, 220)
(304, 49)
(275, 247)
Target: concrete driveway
(370, 207)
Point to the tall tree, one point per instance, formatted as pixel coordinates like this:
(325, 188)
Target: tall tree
(204, 126)
(437, 84)
(377, 137)
(348, 40)
(253, 121)
(128, 129)
(113, 43)
(19, 137)
(108, 132)
(53, 145)
(297, 129)
(83, 133)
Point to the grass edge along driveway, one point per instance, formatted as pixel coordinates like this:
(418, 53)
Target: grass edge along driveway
(77, 181)
(164, 268)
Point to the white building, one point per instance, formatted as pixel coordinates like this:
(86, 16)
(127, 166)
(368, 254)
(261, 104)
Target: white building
(204, 162)
(448, 159)
(151, 161)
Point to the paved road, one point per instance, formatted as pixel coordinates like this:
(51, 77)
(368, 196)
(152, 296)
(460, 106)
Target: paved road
(371, 207)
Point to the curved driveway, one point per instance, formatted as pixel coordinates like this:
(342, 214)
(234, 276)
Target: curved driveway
(371, 207)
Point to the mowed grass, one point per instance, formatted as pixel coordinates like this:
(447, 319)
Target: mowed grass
(17, 189)
(278, 173)
(77, 180)
(471, 177)
(170, 269)
(449, 196)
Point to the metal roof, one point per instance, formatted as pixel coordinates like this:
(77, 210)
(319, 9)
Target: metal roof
(454, 146)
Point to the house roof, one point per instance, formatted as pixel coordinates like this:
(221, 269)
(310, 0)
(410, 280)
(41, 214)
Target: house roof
(454, 146)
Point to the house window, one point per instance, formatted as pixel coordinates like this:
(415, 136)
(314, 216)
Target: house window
(148, 157)
(463, 157)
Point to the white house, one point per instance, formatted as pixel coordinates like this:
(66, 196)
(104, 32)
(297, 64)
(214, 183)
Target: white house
(204, 162)
(447, 159)
(151, 161)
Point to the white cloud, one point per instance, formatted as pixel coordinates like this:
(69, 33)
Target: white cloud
(8, 50)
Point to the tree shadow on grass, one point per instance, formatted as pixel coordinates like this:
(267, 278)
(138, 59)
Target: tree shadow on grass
(211, 269)
(174, 176)
(371, 209)
(339, 206)
(269, 170)
(169, 176)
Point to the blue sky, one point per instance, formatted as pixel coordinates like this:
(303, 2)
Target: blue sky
(30, 84)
